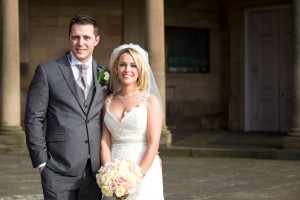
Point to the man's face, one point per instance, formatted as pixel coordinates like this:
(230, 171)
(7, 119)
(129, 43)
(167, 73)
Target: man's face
(83, 41)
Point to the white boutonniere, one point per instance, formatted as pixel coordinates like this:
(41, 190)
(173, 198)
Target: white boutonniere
(102, 76)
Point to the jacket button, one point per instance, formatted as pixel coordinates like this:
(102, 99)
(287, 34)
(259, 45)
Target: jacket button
(86, 141)
(87, 121)
(86, 105)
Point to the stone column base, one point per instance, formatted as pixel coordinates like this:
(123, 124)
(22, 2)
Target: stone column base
(291, 142)
(166, 136)
(12, 137)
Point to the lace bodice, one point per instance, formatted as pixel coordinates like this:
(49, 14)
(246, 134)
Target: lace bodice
(128, 134)
(132, 126)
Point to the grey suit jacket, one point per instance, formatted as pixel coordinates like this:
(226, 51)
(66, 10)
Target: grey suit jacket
(71, 133)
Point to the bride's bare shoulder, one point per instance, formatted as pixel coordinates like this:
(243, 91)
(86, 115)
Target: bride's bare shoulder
(152, 101)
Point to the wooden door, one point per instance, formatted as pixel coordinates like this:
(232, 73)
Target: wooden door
(268, 75)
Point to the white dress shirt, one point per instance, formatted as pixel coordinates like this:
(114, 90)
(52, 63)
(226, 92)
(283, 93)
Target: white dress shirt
(74, 61)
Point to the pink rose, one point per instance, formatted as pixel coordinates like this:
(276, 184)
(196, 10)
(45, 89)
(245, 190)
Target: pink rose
(121, 180)
(112, 185)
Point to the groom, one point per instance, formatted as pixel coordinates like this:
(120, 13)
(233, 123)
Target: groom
(62, 119)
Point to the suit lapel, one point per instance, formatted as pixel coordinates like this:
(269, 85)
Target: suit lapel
(96, 86)
(66, 69)
(92, 91)
(95, 65)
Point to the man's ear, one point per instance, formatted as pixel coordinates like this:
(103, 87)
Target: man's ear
(97, 40)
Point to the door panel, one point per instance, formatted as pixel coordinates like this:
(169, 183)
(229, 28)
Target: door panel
(285, 71)
(269, 56)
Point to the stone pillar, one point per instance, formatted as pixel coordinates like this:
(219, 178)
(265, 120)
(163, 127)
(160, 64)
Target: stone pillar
(292, 140)
(11, 133)
(155, 43)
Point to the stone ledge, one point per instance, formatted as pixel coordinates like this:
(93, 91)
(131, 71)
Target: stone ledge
(12, 140)
(166, 137)
(291, 142)
(282, 154)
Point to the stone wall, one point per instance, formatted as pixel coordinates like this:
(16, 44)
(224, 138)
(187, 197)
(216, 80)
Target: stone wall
(197, 101)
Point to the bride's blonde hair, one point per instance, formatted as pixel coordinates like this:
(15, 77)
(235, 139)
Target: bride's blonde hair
(142, 68)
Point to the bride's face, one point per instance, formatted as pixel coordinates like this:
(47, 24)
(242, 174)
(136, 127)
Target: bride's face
(127, 70)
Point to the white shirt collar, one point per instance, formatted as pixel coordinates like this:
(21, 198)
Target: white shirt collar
(75, 61)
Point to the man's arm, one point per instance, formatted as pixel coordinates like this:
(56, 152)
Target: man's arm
(36, 109)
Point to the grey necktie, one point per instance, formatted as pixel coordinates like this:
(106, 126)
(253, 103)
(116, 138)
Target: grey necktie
(82, 81)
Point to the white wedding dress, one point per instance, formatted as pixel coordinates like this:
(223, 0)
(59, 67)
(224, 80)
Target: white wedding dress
(129, 141)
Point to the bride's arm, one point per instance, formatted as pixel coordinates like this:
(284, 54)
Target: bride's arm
(105, 143)
(154, 126)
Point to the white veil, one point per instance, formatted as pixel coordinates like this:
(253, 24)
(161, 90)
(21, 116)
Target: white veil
(152, 86)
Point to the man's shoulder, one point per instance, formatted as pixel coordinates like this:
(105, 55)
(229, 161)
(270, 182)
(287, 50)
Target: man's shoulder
(100, 66)
(55, 62)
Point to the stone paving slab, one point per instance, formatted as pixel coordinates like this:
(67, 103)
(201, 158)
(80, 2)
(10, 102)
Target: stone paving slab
(231, 179)
(191, 178)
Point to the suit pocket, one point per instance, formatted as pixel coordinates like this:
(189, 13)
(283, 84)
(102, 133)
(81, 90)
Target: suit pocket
(56, 137)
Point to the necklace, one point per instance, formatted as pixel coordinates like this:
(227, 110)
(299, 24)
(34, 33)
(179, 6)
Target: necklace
(124, 100)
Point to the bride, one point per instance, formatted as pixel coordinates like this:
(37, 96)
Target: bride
(133, 118)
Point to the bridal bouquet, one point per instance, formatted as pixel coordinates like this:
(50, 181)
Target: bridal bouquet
(120, 178)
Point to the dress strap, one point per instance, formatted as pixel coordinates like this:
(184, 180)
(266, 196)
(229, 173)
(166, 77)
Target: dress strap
(145, 98)
(107, 103)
